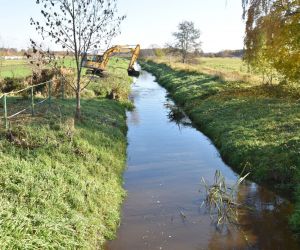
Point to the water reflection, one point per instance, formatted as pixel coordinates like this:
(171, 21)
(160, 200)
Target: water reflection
(176, 115)
(134, 118)
(266, 222)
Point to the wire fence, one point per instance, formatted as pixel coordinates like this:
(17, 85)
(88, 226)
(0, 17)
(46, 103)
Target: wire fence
(32, 107)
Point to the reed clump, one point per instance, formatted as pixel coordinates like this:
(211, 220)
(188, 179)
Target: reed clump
(221, 199)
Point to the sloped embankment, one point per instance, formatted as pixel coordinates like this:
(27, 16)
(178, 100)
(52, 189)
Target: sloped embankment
(61, 184)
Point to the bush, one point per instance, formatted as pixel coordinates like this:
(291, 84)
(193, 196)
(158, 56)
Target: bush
(87, 93)
(12, 84)
(159, 53)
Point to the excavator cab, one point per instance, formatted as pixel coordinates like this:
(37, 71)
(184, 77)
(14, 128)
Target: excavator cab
(98, 63)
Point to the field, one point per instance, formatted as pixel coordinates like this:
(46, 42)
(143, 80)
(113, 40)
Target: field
(22, 68)
(61, 181)
(14, 68)
(230, 69)
(255, 126)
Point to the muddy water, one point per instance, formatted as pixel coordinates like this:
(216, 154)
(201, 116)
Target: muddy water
(166, 160)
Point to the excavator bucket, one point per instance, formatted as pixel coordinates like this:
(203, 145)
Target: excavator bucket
(133, 72)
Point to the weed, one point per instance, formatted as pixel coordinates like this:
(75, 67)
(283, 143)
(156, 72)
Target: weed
(221, 199)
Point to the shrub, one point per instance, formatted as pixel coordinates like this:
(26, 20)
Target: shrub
(12, 84)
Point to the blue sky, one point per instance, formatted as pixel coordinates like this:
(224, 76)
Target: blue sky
(148, 22)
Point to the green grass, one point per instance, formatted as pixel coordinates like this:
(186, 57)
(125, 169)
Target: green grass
(14, 68)
(223, 63)
(254, 126)
(61, 185)
(22, 68)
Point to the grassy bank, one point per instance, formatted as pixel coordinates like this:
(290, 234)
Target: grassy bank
(61, 183)
(256, 127)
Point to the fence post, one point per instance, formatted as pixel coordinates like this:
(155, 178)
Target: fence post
(32, 101)
(49, 93)
(5, 112)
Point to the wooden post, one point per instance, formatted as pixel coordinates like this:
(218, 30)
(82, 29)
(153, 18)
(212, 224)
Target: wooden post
(32, 101)
(5, 112)
(49, 93)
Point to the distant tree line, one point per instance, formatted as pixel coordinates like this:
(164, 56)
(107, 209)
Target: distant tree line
(22, 52)
(11, 52)
(226, 53)
(160, 52)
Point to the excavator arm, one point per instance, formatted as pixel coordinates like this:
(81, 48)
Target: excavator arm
(135, 55)
(98, 64)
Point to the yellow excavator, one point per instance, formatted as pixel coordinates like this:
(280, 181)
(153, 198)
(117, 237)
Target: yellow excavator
(98, 64)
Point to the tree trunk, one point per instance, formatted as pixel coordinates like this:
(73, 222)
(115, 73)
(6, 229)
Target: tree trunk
(78, 110)
(183, 57)
(78, 90)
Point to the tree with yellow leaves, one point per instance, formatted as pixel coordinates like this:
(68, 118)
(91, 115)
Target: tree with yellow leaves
(273, 37)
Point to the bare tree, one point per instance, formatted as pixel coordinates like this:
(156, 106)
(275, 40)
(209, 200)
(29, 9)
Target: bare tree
(187, 39)
(78, 26)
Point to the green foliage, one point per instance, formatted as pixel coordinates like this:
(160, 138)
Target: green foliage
(256, 126)
(272, 37)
